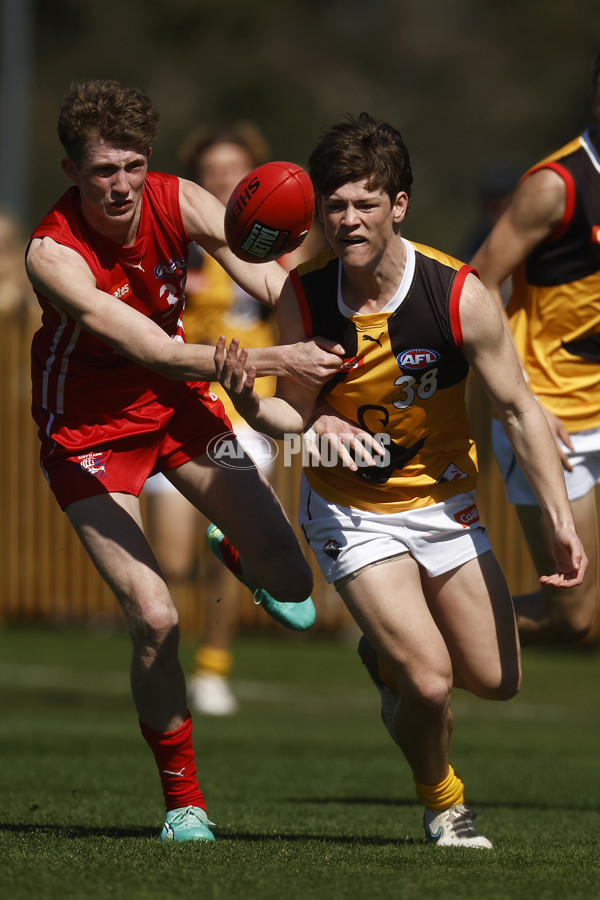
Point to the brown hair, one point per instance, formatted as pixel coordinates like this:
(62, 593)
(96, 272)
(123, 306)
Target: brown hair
(106, 110)
(361, 148)
(245, 134)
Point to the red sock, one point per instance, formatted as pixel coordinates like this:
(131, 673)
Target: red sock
(230, 555)
(174, 755)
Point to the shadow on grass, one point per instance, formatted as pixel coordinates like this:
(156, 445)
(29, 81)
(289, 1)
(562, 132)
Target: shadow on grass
(79, 832)
(474, 804)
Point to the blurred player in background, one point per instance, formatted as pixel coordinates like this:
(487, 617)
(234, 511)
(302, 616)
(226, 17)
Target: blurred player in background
(400, 538)
(118, 395)
(217, 158)
(549, 242)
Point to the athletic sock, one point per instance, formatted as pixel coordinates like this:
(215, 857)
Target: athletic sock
(213, 660)
(174, 755)
(440, 796)
(385, 674)
(233, 560)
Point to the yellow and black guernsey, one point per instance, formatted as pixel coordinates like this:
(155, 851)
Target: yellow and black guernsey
(554, 310)
(403, 377)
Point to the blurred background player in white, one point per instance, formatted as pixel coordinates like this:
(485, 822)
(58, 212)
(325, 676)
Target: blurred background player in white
(217, 158)
(548, 240)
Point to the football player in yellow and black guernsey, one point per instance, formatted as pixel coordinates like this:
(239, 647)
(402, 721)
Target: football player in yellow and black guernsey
(404, 546)
(548, 240)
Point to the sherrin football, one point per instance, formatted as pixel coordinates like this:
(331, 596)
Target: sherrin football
(269, 212)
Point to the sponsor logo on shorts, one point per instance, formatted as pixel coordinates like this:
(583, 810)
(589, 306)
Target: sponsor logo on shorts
(332, 548)
(256, 452)
(174, 266)
(94, 463)
(467, 516)
(417, 358)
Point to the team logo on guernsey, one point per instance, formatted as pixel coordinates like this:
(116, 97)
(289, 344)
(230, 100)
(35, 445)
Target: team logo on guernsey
(451, 473)
(352, 362)
(173, 267)
(417, 358)
(467, 516)
(94, 463)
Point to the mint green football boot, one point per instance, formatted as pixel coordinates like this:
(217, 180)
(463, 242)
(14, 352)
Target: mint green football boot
(190, 823)
(297, 616)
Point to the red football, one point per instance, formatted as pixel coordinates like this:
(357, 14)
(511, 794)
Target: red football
(269, 212)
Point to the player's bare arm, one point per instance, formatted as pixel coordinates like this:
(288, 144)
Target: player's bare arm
(63, 276)
(490, 352)
(203, 217)
(535, 211)
(285, 413)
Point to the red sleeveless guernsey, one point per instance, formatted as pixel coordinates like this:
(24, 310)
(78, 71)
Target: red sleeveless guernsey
(75, 373)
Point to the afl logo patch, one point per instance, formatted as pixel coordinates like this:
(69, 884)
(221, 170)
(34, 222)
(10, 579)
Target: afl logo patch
(418, 358)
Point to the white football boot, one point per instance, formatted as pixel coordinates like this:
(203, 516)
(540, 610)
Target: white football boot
(454, 827)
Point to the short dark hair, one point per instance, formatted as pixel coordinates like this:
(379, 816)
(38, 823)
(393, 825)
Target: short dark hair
(361, 148)
(106, 110)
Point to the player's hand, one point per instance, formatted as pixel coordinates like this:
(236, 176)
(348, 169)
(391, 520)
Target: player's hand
(230, 362)
(313, 362)
(571, 560)
(561, 436)
(342, 439)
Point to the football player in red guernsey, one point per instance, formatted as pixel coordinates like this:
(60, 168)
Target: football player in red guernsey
(401, 539)
(118, 395)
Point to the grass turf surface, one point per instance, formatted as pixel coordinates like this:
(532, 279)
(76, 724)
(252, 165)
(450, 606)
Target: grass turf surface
(311, 798)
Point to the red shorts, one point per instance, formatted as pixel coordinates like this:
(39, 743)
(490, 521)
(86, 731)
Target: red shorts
(84, 457)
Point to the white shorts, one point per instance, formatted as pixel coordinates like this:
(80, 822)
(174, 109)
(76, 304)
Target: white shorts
(439, 537)
(585, 459)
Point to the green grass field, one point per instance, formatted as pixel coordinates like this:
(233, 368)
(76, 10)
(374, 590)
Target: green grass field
(311, 798)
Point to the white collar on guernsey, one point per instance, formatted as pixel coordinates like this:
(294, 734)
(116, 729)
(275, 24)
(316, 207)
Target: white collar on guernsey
(400, 295)
(589, 147)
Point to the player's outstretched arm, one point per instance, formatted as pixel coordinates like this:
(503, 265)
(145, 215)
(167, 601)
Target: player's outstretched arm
(490, 352)
(64, 277)
(204, 217)
(277, 416)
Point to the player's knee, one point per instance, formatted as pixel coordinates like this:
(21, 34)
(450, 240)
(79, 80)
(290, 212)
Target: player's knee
(431, 695)
(503, 686)
(155, 624)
